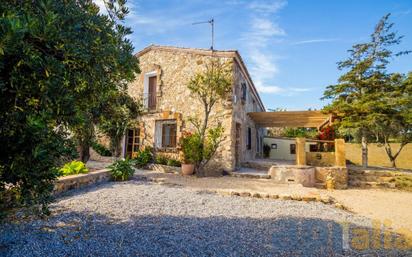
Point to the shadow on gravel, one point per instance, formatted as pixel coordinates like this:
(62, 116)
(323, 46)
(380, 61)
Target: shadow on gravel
(89, 234)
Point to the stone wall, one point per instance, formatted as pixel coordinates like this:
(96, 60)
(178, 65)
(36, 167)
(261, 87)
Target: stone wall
(340, 174)
(174, 69)
(64, 184)
(323, 159)
(241, 108)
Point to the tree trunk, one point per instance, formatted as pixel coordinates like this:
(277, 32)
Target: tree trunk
(392, 157)
(85, 152)
(364, 152)
(393, 163)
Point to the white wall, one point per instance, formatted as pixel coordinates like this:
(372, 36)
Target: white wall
(283, 148)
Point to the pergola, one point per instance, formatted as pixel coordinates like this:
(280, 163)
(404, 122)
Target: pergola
(301, 119)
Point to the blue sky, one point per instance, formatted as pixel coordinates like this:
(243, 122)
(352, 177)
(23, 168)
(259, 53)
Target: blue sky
(290, 47)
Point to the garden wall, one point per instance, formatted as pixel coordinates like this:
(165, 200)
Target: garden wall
(377, 155)
(320, 159)
(64, 184)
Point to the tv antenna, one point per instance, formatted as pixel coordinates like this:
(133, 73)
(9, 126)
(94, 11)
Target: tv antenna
(212, 23)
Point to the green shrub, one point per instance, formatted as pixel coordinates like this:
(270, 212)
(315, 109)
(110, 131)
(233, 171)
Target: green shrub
(161, 159)
(143, 158)
(403, 182)
(101, 149)
(73, 168)
(121, 170)
(191, 147)
(174, 163)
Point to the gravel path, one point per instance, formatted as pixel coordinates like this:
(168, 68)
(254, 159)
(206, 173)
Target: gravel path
(138, 218)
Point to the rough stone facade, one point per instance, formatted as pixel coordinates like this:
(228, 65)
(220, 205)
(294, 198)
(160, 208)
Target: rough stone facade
(173, 68)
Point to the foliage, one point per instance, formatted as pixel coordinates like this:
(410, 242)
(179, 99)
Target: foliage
(190, 144)
(161, 159)
(101, 149)
(118, 111)
(143, 158)
(174, 163)
(299, 132)
(266, 150)
(367, 97)
(403, 182)
(121, 170)
(58, 62)
(212, 85)
(73, 168)
(212, 141)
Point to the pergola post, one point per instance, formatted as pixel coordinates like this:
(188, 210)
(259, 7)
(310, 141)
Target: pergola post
(300, 151)
(340, 158)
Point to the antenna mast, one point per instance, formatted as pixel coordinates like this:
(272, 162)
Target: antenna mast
(212, 23)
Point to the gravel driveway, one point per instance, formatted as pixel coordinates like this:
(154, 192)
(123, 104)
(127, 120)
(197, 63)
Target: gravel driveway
(138, 218)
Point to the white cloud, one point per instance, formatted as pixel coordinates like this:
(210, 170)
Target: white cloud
(266, 28)
(264, 31)
(267, 7)
(300, 89)
(311, 41)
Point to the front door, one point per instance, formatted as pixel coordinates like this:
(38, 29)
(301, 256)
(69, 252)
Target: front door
(132, 142)
(237, 145)
(152, 93)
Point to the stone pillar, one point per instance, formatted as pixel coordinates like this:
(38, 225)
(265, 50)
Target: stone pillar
(340, 158)
(300, 151)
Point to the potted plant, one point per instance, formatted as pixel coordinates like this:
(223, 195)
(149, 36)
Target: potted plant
(190, 144)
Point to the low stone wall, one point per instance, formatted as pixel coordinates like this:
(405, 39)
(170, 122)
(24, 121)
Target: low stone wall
(323, 159)
(304, 175)
(64, 184)
(164, 168)
(340, 174)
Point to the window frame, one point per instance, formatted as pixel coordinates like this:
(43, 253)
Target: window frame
(160, 135)
(133, 144)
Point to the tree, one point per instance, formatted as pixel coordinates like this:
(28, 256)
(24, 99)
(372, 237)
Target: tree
(57, 61)
(118, 111)
(354, 98)
(211, 86)
(392, 119)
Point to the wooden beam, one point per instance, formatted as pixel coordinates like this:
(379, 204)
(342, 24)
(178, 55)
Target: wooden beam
(308, 119)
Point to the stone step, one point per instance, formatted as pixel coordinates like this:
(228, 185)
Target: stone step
(264, 166)
(377, 173)
(371, 178)
(320, 185)
(249, 175)
(363, 184)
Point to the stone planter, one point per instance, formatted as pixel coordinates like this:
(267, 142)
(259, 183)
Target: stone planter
(188, 169)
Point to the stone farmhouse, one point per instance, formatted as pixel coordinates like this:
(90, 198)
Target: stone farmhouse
(162, 88)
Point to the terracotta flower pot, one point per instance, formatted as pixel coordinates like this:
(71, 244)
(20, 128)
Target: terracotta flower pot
(187, 169)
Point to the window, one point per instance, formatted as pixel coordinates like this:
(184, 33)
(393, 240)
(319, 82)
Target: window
(150, 91)
(313, 148)
(169, 135)
(249, 139)
(165, 133)
(244, 91)
(151, 101)
(292, 148)
(132, 142)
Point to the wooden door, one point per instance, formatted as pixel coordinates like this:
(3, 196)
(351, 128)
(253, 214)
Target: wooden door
(152, 93)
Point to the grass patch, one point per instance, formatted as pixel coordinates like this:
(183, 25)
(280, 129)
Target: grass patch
(403, 182)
